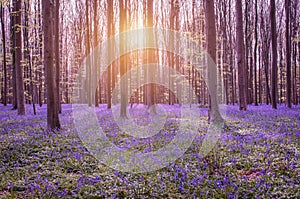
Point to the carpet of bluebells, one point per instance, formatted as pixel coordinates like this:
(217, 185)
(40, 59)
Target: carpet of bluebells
(256, 157)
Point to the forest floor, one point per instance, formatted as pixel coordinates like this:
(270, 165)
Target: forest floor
(257, 156)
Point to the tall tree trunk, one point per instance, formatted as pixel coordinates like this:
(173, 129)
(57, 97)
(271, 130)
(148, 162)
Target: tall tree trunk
(225, 50)
(110, 32)
(288, 53)
(95, 45)
(299, 62)
(241, 56)
(57, 54)
(255, 54)
(18, 58)
(260, 76)
(52, 109)
(231, 61)
(88, 58)
(281, 69)
(274, 54)
(4, 97)
(13, 53)
(247, 46)
(213, 114)
(35, 53)
(122, 26)
(295, 29)
(40, 68)
(171, 60)
(266, 62)
(149, 59)
(67, 69)
(27, 52)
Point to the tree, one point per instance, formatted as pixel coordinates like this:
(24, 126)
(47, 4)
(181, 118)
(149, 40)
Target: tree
(13, 52)
(150, 88)
(40, 49)
(255, 54)
(4, 97)
(214, 114)
(52, 109)
(57, 56)
(95, 61)
(288, 54)
(18, 57)
(27, 56)
(240, 50)
(261, 65)
(123, 21)
(248, 59)
(88, 59)
(274, 54)
(231, 62)
(110, 30)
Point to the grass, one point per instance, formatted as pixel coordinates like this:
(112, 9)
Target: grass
(256, 157)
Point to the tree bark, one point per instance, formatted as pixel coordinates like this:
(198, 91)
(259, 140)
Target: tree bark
(57, 55)
(13, 52)
(213, 110)
(255, 54)
(95, 45)
(150, 88)
(40, 68)
(4, 97)
(18, 58)
(88, 58)
(288, 54)
(52, 109)
(27, 52)
(274, 54)
(240, 56)
(110, 31)
(122, 26)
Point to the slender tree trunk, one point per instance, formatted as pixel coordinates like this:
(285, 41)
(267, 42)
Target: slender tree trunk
(295, 26)
(260, 76)
(274, 54)
(281, 68)
(4, 97)
(13, 52)
(18, 58)
(255, 54)
(288, 54)
(171, 56)
(35, 53)
(247, 46)
(110, 30)
(52, 109)
(95, 45)
(25, 30)
(241, 57)
(299, 62)
(27, 52)
(88, 60)
(295, 97)
(225, 52)
(40, 68)
(231, 62)
(123, 21)
(149, 58)
(57, 54)
(266, 62)
(213, 115)
(67, 68)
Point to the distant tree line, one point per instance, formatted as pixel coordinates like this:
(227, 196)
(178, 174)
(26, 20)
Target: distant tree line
(255, 44)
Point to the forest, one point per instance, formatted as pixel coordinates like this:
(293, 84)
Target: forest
(149, 99)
